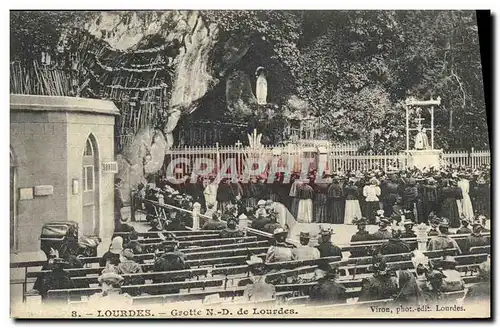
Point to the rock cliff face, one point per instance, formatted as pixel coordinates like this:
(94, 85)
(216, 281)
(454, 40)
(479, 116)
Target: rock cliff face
(205, 58)
(193, 76)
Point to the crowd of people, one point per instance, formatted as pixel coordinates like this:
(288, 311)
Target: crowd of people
(429, 283)
(341, 197)
(395, 201)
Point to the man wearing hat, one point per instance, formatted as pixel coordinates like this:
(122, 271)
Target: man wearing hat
(434, 222)
(395, 245)
(381, 285)
(177, 221)
(328, 290)
(112, 256)
(133, 243)
(408, 226)
(170, 260)
(259, 289)
(360, 235)
(464, 229)
(453, 280)
(58, 278)
(475, 239)
(304, 251)
(325, 247)
(443, 240)
(111, 291)
(281, 251)
(382, 232)
(232, 230)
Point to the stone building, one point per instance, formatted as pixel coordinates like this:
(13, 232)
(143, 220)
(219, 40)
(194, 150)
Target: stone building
(62, 163)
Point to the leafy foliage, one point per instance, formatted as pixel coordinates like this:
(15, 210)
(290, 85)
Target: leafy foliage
(354, 68)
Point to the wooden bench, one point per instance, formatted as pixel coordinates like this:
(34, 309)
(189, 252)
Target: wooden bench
(411, 241)
(73, 294)
(304, 267)
(208, 242)
(179, 238)
(177, 233)
(398, 257)
(194, 255)
(301, 300)
(408, 264)
(480, 249)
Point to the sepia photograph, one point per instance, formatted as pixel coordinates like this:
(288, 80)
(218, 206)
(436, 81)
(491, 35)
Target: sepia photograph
(250, 164)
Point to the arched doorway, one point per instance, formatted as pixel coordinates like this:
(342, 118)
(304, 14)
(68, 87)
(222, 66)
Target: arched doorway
(90, 187)
(13, 201)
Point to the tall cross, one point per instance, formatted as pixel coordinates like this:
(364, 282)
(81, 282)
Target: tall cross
(238, 144)
(419, 119)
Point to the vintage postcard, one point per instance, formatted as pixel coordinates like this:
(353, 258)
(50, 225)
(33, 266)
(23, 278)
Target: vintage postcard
(249, 164)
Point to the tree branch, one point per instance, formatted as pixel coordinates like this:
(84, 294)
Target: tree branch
(461, 87)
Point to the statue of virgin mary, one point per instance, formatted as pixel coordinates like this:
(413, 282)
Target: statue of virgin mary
(261, 86)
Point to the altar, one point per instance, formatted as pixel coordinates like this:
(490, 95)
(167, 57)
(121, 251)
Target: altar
(424, 158)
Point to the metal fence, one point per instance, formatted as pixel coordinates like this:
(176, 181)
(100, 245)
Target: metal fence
(295, 156)
(472, 159)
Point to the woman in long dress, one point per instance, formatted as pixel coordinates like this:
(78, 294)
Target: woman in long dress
(305, 207)
(210, 193)
(320, 197)
(449, 207)
(294, 195)
(352, 209)
(466, 204)
(251, 193)
(335, 203)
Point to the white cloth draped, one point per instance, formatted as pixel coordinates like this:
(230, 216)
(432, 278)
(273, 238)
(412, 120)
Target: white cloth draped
(305, 212)
(352, 210)
(284, 215)
(465, 204)
(210, 194)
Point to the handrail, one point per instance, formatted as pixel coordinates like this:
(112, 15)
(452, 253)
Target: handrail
(379, 241)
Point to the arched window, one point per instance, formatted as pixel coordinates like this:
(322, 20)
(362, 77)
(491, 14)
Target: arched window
(89, 165)
(90, 186)
(89, 150)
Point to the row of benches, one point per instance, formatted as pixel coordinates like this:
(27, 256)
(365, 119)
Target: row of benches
(350, 264)
(467, 262)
